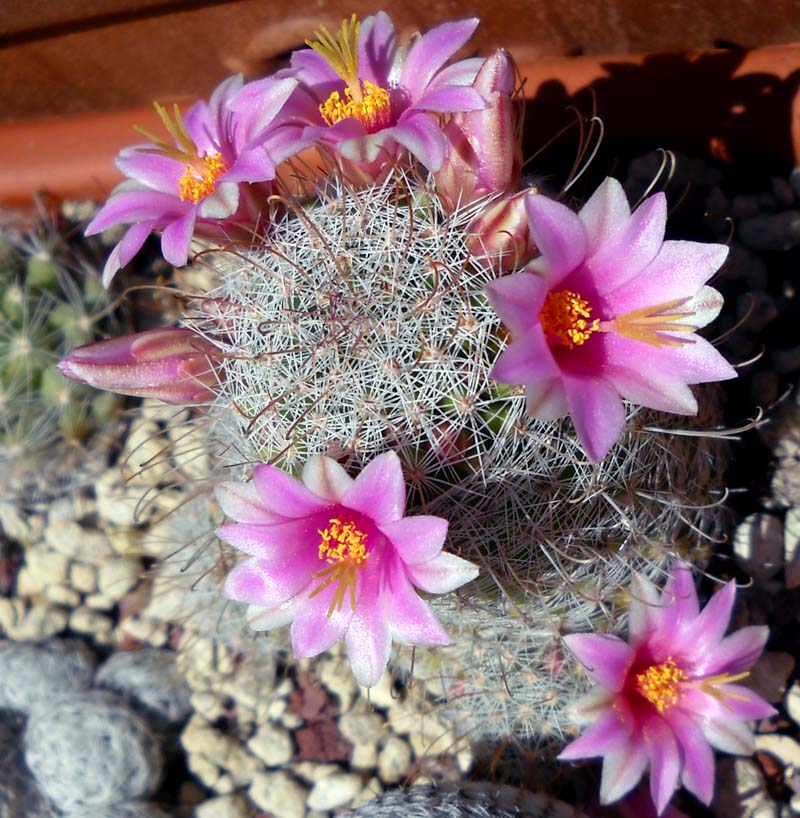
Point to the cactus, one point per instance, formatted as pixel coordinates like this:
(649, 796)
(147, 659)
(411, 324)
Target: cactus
(51, 299)
(358, 324)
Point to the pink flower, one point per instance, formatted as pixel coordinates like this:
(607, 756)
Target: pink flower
(608, 311)
(196, 176)
(368, 99)
(172, 364)
(338, 557)
(668, 695)
(484, 151)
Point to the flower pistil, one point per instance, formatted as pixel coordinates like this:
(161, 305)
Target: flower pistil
(363, 100)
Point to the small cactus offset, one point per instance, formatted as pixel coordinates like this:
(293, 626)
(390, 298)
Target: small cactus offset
(446, 406)
(51, 299)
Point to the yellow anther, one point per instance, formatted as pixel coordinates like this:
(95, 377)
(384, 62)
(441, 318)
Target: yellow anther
(372, 107)
(342, 541)
(200, 178)
(660, 684)
(567, 317)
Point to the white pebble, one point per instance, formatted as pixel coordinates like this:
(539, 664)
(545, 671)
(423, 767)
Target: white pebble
(279, 794)
(334, 791)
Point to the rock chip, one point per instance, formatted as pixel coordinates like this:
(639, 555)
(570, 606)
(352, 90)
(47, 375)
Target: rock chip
(758, 542)
(394, 760)
(279, 794)
(334, 791)
(272, 744)
(226, 806)
(117, 576)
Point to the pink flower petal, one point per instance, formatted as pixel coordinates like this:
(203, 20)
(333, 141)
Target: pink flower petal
(609, 734)
(285, 495)
(527, 360)
(242, 502)
(176, 238)
(642, 387)
(268, 541)
(735, 653)
(703, 307)
(368, 641)
(416, 539)
(326, 478)
(679, 270)
(410, 619)
(645, 610)
(622, 770)
(313, 631)
(265, 619)
(731, 735)
(443, 574)
(546, 400)
(665, 761)
(605, 215)
(267, 583)
(597, 412)
(558, 233)
(518, 300)
(377, 48)
(450, 99)
(131, 243)
(607, 659)
(379, 491)
(697, 773)
(422, 137)
(156, 171)
(679, 598)
(131, 206)
(708, 629)
(746, 704)
(430, 52)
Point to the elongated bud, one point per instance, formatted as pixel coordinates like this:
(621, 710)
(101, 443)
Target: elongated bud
(172, 364)
(500, 236)
(484, 154)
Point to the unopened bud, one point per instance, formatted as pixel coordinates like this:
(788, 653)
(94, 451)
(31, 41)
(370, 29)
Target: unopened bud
(172, 364)
(500, 236)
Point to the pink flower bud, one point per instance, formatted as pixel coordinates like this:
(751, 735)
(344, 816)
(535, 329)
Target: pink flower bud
(501, 236)
(172, 364)
(484, 154)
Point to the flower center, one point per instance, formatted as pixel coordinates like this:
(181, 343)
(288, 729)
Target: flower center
(371, 106)
(344, 547)
(659, 684)
(200, 177)
(367, 102)
(201, 173)
(566, 317)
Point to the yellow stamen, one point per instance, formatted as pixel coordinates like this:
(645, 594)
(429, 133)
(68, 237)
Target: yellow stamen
(364, 100)
(343, 547)
(648, 324)
(660, 684)
(565, 316)
(200, 178)
(202, 172)
(372, 109)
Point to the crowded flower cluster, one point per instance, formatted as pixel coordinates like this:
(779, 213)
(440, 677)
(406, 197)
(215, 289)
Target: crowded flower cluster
(594, 309)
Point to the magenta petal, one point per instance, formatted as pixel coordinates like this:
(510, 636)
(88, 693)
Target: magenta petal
(267, 583)
(131, 206)
(720, 727)
(735, 653)
(617, 263)
(622, 770)
(377, 48)
(284, 494)
(644, 387)
(156, 171)
(326, 478)
(255, 165)
(558, 233)
(379, 491)
(645, 610)
(450, 99)
(242, 502)
(176, 238)
(745, 703)
(697, 772)
(546, 400)
(610, 733)
(368, 642)
(708, 629)
(606, 659)
(518, 299)
(416, 539)
(131, 243)
(430, 52)
(443, 574)
(269, 541)
(313, 631)
(678, 271)
(410, 619)
(265, 619)
(679, 600)
(527, 360)
(665, 761)
(597, 412)
(422, 137)
(605, 215)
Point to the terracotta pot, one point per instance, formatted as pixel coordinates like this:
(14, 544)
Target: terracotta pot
(725, 104)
